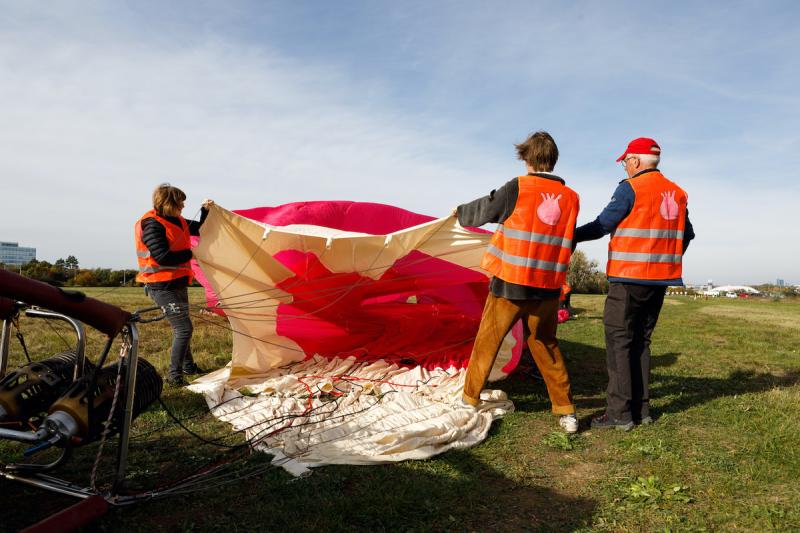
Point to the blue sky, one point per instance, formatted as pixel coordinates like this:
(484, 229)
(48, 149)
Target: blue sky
(415, 104)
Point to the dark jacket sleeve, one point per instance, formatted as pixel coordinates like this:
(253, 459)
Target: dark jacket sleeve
(688, 232)
(194, 225)
(618, 208)
(494, 208)
(154, 237)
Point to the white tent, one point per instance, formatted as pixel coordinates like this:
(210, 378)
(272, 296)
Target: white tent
(730, 289)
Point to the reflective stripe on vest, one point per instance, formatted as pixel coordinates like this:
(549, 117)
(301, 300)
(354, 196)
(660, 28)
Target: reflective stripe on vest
(159, 268)
(649, 233)
(648, 243)
(645, 258)
(542, 238)
(532, 247)
(526, 262)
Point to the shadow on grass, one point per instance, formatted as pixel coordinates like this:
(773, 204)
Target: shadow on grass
(588, 377)
(684, 392)
(664, 360)
(586, 365)
(455, 491)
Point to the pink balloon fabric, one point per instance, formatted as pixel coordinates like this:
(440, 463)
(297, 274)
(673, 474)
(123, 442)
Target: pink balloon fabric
(422, 311)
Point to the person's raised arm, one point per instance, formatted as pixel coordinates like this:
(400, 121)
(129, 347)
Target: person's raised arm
(617, 209)
(194, 225)
(688, 232)
(495, 208)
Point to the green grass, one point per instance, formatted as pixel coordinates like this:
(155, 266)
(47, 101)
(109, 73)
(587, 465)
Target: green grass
(723, 455)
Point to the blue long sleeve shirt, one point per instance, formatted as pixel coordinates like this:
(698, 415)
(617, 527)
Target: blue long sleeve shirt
(617, 209)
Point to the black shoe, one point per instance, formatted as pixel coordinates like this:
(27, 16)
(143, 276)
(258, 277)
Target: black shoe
(604, 421)
(192, 370)
(177, 382)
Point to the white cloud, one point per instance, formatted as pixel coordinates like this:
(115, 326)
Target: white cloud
(90, 131)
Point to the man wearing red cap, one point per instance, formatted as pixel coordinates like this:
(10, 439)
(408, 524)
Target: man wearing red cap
(650, 231)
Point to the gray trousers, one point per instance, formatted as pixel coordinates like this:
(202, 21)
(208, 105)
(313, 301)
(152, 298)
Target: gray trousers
(175, 303)
(630, 316)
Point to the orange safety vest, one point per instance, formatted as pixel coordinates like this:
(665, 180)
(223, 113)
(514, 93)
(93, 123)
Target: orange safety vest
(533, 246)
(179, 239)
(565, 290)
(648, 243)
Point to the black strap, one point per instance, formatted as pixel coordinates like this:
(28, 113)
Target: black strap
(21, 339)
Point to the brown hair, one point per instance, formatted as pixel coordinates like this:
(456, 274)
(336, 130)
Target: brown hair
(540, 151)
(167, 199)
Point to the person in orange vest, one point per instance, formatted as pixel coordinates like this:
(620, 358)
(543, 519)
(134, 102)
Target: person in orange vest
(650, 230)
(565, 297)
(564, 309)
(528, 258)
(163, 250)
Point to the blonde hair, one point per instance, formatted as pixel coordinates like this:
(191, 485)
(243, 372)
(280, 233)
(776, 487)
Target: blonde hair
(167, 199)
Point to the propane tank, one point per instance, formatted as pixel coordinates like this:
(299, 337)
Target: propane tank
(71, 417)
(30, 390)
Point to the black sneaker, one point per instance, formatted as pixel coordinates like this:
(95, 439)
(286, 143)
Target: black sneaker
(604, 421)
(193, 370)
(177, 382)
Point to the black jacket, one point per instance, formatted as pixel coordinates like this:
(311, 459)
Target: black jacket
(154, 236)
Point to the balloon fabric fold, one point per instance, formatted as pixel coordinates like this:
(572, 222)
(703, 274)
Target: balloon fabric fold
(322, 285)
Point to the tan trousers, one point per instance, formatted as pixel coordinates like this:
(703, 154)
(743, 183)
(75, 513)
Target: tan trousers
(540, 318)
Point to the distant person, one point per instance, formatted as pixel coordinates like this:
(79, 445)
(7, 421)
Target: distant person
(163, 249)
(650, 231)
(528, 258)
(564, 309)
(565, 298)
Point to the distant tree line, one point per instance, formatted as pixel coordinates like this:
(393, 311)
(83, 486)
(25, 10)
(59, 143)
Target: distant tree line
(787, 291)
(67, 273)
(584, 275)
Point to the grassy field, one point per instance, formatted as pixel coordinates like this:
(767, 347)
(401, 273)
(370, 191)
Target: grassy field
(723, 455)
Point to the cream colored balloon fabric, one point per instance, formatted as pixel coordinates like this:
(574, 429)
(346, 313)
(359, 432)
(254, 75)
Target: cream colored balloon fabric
(380, 412)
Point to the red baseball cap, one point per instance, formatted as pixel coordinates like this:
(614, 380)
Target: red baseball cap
(642, 145)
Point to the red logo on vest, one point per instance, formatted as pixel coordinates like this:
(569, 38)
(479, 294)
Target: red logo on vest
(669, 207)
(549, 211)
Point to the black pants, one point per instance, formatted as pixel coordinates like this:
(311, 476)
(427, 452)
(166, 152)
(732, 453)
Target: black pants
(630, 317)
(175, 303)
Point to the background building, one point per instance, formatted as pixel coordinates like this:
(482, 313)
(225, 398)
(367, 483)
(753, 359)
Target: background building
(731, 291)
(11, 253)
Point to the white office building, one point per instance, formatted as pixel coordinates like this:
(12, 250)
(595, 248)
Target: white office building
(11, 253)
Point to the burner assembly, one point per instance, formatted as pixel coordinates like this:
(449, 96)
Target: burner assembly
(67, 400)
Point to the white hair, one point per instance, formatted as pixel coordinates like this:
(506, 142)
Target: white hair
(648, 160)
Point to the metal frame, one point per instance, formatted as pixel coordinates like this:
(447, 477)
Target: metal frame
(77, 325)
(50, 483)
(80, 333)
(127, 415)
(5, 336)
(129, 357)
